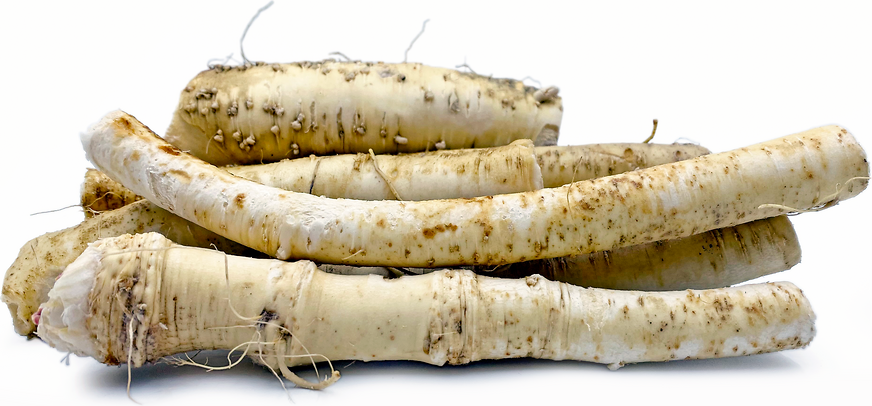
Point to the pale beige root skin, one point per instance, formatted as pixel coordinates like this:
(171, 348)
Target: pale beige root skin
(100, 193)
(271, 112)
(562, 165)
(459, 173)
(675, 200)
(419, 176)
(176, 300)
(422, 176)
(43, 258)
(709, 260)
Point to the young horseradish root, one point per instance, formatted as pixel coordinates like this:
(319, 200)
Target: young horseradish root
(713, 259)
(42, 259)
(268, 112)
(138, 298)
(709, 260)
(459, 173)
(426, 176)
(100, 193)
(816, 168)
(563, 165)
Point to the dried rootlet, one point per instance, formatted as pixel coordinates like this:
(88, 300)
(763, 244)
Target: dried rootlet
(265, 113)
(138, 298)
(817, 168)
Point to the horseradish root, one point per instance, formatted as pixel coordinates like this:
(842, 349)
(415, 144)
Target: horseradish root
(42, 259)
(563, 165)
(709, 260)
(714, 259)
(435, 175)
(813, 169)
(138, 298)
(459, 173)
(265, 113)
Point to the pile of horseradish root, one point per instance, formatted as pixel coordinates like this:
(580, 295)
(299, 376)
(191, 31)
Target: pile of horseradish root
(419, 213)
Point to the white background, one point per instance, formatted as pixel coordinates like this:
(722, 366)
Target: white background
(724, 76)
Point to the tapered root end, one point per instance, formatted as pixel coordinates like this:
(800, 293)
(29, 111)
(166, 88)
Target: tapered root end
(62, 321)
(105, 124)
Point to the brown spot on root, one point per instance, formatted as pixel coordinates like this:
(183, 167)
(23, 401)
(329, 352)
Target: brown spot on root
(182, 176)
(125, 123)
(431, 232)
(169, 149)
(239, 200)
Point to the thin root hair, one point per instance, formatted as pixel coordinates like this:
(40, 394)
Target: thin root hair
(347, 59)
(280, 343)
(653, 131)
(275, 374)
(210, 63)
(256, 322)
(229, 299)
(57, 210)
(406, 54)
(88, 207)
(384, 176)
(241, 50)
(352, 255)
(35, 257)
(300, 382)
(689, 141)
(827, 202)
(530, 78)
(465, 65)
(230, 362)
